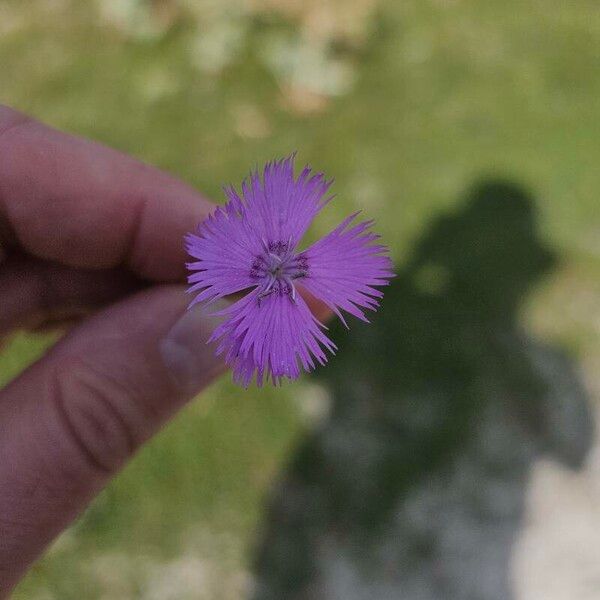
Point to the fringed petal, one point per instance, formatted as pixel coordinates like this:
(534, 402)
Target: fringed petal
(270, 338)
(345, 268)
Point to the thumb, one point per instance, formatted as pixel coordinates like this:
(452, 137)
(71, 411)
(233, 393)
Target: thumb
(71, 420)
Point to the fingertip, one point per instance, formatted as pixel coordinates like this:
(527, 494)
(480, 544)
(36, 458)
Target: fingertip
(190, 360)
(318, 308)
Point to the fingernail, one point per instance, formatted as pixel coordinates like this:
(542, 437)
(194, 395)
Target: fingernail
(190, 361)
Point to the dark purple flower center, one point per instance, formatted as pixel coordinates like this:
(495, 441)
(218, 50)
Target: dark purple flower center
(277, 267)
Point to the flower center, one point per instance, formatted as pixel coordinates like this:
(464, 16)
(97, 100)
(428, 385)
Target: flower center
(277, 268)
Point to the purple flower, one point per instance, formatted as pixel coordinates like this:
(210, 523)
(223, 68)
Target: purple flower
(251, 245)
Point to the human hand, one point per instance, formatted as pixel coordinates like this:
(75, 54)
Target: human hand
(85, 229)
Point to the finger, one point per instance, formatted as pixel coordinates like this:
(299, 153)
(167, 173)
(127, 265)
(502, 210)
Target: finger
(318, 308)
(70, 421)
(77, 202)
(34, 292)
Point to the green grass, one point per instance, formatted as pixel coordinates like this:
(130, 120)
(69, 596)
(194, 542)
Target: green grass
(446, 93)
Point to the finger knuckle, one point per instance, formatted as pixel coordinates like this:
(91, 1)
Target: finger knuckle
(93, 409)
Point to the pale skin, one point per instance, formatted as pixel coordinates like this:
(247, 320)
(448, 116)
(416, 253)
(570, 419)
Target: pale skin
(93, 236)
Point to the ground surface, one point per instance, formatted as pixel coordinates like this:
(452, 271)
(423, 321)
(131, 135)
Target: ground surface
(408, 104)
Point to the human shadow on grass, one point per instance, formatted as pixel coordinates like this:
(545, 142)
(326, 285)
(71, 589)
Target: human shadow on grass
(414, 485)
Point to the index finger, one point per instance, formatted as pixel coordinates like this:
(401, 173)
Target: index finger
(82, 204)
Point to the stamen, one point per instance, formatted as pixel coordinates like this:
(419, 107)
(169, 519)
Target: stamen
(267, 291)
(278, 267)
(269, 287)
(275, 258)
(292, 288)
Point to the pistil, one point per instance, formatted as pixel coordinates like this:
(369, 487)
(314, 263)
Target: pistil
(278, 267)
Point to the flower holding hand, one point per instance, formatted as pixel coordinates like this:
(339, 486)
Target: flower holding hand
(93, 236)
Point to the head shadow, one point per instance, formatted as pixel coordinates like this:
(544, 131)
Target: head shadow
(441, 399)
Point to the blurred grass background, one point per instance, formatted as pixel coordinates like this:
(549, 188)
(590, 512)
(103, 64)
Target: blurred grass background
(405, 103)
